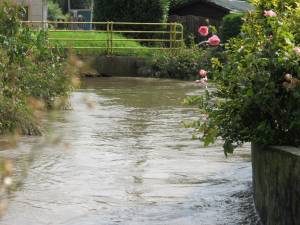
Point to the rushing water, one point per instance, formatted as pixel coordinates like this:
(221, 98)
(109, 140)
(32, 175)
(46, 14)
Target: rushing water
(122, 156)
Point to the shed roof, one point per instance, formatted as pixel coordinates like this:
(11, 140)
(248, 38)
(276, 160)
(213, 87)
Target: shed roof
(231, 5)
(234, 5)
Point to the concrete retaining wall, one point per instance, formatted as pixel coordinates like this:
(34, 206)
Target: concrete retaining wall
(276, 182)
(118, 65)
(128, 66)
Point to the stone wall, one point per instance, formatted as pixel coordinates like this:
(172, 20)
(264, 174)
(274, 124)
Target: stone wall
(128, 66)
(276, 182)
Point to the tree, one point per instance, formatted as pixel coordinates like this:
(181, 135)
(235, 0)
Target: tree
(131, 11)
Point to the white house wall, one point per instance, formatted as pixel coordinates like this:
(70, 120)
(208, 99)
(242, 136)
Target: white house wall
(37, 9)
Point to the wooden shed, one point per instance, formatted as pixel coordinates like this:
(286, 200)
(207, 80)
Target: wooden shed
(201, 8)
(210, 9)
(193, 13)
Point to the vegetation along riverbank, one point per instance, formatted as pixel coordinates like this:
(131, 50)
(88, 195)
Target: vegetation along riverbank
(33, 77)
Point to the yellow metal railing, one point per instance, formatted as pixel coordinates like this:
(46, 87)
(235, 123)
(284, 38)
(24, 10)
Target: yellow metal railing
(111, 36)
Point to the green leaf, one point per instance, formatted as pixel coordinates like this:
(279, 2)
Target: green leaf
(228, 148)
(250, 92)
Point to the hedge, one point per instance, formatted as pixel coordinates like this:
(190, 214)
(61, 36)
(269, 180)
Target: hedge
(231, 25)
(131, 11)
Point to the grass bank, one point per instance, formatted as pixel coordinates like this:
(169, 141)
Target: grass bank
(91, 42)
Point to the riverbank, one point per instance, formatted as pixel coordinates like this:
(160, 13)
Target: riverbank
(34, 78)
(181, 64)
(95, 43)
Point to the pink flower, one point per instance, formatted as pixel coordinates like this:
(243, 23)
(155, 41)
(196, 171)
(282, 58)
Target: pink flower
(202, 73)
(271, 37)
(202, 82)
(270, 13)
(203, 31)
(297, 51)
(214, 40)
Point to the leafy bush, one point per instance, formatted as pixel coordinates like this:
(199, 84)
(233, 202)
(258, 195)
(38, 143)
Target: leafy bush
(55, 12)
(176, 3)
(131, 11)
(231, 25)
(183, 64)
(257, 89)
(32, 76)
(63, 4)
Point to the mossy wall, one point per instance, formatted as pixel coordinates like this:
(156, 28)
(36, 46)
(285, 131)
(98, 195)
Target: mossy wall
(113, 65)
(276, 182)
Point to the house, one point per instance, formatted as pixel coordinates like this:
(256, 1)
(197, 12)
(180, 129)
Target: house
(82, 11)
(193, 13)
(37, 10)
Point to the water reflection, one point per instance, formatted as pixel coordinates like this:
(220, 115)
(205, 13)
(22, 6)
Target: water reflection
(127, 160)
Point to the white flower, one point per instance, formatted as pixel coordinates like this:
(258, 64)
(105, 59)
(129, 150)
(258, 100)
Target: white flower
(297, 51)
(7, 181)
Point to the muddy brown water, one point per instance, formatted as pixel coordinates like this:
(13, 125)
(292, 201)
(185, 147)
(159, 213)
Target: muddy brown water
(122, 156)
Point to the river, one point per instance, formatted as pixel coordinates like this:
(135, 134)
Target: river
(122, 156)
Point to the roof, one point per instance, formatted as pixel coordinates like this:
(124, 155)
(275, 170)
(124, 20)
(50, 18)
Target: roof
(234, 5)
(231, 5)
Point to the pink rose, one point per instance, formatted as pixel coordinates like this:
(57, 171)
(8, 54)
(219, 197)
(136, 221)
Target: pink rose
(203, 31)
(270, 13)
(271, 37)
(297, 51)
(214, 40)
(202, 73)
(203, 82)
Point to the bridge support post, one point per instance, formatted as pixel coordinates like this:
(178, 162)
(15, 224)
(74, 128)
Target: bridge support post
(109, 41)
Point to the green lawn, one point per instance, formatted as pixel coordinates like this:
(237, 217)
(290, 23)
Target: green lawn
(95, 42)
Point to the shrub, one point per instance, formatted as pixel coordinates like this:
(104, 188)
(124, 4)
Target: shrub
(32, 76)
(257, 91)
(182, 64)
(63, 4)
(231, 25)
(176, 3)
(131, 11)
(55, 12)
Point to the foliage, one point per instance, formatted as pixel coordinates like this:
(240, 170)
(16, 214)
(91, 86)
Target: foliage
(176, 3)
(257, 89)
(63, 4)
(32, 76)
(182, 64)
(131, 11)
(231, 25)
(55, 12)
